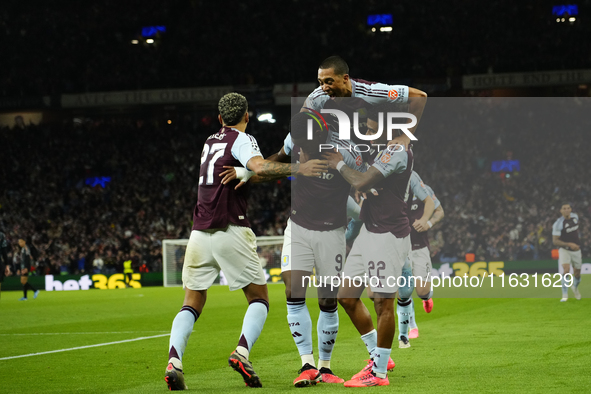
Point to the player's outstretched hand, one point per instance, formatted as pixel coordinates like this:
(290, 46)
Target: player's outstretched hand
(333, 157)
(313, 168)
(420, 225)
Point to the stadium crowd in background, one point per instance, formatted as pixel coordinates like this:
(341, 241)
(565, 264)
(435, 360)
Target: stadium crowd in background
(500, 217)
(75, 43)
(45, 197)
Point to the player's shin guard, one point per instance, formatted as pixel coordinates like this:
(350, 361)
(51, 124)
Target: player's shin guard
(403, 310)
(564, 287)
(380, 361)
(300, 325)
(328, 328)
(412, 323)
(576, 282)
(252, 325)
(428, 296)
(182, 326)
(371, 341)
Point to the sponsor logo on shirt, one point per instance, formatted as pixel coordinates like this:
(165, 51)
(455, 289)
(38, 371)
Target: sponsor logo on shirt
(385, 158)
(393, 94)
(358, 161)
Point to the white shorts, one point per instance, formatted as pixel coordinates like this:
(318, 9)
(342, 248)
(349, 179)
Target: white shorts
(304, 250)
(232, 250)
(421, 263)
(566, 256)
(354, 266)
(380, 256)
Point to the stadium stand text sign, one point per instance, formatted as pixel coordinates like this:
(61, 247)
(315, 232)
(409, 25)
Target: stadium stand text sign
(99, 281)
(137, 97)
(539, 78)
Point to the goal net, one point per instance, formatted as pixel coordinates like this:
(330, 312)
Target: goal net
(173, 256)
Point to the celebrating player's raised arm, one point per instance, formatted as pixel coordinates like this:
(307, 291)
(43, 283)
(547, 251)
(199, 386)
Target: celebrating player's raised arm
(362, 181)
(386, 163)
(417, 100)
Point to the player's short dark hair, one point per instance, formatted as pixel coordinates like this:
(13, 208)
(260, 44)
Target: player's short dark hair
(299, 132)
(337, 63)
(298, 127)
(232, 108)
(566, 203)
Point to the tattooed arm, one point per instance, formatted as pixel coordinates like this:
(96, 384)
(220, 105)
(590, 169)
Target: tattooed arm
(265, 170)
(262, 167)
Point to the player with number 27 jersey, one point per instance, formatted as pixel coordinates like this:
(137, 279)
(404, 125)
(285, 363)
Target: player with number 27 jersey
(219, 205)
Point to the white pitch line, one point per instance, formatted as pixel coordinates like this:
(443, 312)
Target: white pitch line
(83, 347)
(81, 333)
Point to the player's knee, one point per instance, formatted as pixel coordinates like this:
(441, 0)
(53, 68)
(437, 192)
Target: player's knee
(405, 292)
(384, 305)
(327, 303)
(348, 304)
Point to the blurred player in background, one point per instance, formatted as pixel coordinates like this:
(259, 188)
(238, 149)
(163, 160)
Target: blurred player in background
(26, 259)
(4, 248)
(565, 235)
(424, 212)
(221, 239)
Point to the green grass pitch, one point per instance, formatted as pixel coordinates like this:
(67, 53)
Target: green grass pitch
(465, 345)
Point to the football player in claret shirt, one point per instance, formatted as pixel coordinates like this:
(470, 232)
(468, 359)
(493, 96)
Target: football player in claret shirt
(315, 240)
(565, 235)
(382, 245)
(221, 238)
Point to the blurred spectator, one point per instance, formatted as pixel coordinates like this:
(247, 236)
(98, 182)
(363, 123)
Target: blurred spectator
(98, 265)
